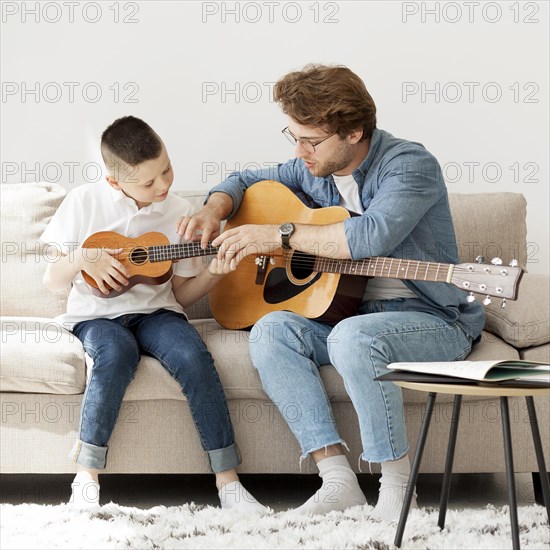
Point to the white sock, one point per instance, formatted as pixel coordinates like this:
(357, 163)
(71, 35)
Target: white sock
(85, 491)
(235, 497)
(340, 488)
(393, 485)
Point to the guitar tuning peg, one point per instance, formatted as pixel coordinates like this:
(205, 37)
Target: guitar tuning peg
(487, 300)
(272, 261)
(496, 261)
(471, 297)
(513, 263)
(480, 259)
(503, 305)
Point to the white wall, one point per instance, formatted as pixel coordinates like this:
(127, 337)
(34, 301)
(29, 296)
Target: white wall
(175, 63)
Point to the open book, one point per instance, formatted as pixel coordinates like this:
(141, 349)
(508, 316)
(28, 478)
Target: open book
(509, 373)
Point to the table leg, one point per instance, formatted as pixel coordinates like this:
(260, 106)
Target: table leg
(510, 471)
(449, 462)
(414, 468)
(539, 453)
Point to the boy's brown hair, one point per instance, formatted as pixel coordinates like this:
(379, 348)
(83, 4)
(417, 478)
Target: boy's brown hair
(131, 140)
(332, 97)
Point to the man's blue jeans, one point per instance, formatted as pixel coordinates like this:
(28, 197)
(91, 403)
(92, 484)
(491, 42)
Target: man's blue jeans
(115, 345)
(288, 350)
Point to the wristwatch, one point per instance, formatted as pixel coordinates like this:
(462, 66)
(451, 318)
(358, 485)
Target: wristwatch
(286, 231)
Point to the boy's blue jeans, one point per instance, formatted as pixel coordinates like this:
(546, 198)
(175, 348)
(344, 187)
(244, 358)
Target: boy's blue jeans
(288, 350)
(115, 345)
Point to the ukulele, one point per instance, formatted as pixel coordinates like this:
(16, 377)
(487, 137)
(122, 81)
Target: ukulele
(323, 288)
(148, 258)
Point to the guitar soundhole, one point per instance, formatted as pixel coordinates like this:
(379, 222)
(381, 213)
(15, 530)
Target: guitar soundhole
(279, 288)
(139, 256)
(301, 265)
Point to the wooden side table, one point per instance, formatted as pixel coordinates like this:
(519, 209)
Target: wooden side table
(459, 390)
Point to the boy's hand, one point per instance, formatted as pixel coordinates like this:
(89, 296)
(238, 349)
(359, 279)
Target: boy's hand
(99, 264)
(219, 267)
(206, 220)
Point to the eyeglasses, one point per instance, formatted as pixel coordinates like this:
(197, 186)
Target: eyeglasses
(306, 143)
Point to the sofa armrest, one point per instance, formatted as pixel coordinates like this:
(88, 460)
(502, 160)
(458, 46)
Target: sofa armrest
(525, 321)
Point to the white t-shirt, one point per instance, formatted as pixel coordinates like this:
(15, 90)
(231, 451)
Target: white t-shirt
(95, 207)
(378, 288)
(349, 193)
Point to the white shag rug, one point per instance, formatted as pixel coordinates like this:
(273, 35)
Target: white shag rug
(192, 526)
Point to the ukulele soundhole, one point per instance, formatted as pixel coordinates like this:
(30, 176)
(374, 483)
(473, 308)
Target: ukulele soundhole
(139, 256)
(279, 288)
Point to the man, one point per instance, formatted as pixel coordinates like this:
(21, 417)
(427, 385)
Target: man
(397, 188)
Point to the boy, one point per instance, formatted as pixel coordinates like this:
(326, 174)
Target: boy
(147, 319)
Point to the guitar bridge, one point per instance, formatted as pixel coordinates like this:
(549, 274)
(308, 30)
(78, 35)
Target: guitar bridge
(261, 262)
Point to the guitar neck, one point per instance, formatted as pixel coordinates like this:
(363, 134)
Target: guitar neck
(392, 268)
(181, 251)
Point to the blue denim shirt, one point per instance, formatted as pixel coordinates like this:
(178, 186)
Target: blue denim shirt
(406, 215)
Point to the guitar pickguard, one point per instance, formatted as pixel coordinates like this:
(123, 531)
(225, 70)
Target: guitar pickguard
(278, 287)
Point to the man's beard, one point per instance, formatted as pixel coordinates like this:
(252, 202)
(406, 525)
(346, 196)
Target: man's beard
(342, 157)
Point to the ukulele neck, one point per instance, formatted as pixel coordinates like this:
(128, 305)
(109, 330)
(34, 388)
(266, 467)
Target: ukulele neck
(179, 251)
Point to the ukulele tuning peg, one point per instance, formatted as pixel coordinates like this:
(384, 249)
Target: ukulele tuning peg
(513, 263)
(487, 300)
(503, 304)
(471, 297)
(480, 259)
(496, 261)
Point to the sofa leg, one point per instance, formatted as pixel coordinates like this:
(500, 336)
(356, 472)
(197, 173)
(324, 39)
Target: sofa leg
(537, 487)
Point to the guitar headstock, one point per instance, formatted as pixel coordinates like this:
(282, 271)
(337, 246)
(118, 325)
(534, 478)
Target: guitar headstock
(492, 279)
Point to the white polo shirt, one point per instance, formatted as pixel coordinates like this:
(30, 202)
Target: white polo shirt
(95, 207)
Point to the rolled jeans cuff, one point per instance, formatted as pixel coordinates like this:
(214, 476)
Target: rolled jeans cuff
(88, 455)
(224, 459)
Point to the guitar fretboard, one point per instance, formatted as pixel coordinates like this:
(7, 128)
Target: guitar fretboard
(179, 251)
(392, 268)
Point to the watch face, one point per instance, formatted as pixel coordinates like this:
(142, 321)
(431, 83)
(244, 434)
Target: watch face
(286, 228)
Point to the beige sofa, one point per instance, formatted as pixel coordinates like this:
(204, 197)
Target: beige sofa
(43, 367)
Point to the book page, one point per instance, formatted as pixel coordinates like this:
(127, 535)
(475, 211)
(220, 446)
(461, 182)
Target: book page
(474, 370)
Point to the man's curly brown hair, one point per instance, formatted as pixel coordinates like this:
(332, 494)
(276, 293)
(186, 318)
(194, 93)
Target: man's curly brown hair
(331, 97)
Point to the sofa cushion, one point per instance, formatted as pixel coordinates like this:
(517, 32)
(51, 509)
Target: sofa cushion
(489, 225)
(25, 210)
(229, 348)
(536, 353)
(240, 380)
(524, 322)
(39, 356)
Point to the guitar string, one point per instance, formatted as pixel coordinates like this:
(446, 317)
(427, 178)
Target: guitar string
(427, 275)
(327, 264)
(341, 264)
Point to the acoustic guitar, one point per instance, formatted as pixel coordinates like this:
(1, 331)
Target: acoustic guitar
(320, 287)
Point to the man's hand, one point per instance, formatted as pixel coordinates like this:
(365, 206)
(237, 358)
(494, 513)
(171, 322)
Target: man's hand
(99, 264)
(245, 240)
(207, 219)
